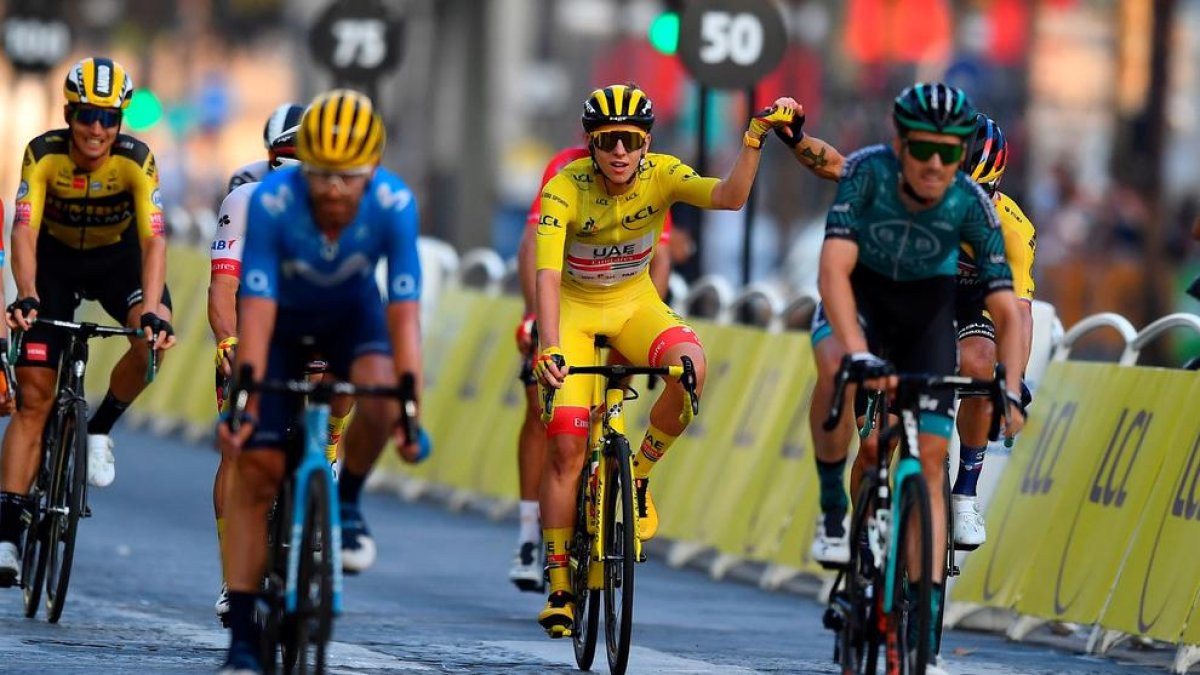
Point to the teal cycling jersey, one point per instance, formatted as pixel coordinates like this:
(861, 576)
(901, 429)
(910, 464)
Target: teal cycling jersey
(908, 246)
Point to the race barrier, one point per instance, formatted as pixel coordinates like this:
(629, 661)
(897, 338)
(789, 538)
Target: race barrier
(1093, 518)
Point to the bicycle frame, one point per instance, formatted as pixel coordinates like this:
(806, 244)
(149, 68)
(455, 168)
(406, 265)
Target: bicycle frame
(316, 430)
(599, 456)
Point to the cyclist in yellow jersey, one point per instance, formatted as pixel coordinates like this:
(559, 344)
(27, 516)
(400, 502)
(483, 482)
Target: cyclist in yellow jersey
(987, 157)
(986, 160)
(600, 219)
(88, 224)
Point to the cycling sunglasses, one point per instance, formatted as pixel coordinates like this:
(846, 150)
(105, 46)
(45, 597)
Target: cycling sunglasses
(107, 117)
(324, 179)
(607, 140)
(923, 151)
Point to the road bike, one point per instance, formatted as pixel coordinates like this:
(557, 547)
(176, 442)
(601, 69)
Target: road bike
(875, 602)
(606, 543)
(302, 588)
(59, 493)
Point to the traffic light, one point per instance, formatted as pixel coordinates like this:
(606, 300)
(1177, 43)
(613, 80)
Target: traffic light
(664, 33)
(144, 111)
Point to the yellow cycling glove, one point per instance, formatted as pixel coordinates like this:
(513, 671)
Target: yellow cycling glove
(542, 362)
(766, 119)
(225, 349)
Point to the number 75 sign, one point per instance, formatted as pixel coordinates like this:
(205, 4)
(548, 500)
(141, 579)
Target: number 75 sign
(731, 44)
(357, 39)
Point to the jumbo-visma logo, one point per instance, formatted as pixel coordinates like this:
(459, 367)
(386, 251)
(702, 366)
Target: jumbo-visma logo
(905, 238)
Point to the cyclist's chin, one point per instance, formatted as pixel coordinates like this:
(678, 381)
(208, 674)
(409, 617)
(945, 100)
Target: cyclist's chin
(335, 213)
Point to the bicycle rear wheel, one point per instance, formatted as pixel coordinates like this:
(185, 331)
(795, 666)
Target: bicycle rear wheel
(619, 521)
(587, 601)
(908, 622)
(33, 555)
(67, 499)
(855, 606)
(313, 620)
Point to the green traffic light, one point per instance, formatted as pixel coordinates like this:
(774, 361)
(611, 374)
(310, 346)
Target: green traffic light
(144, 111)
(664, 33)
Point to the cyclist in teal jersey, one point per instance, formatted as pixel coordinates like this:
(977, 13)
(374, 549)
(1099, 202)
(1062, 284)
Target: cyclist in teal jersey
(887, 278)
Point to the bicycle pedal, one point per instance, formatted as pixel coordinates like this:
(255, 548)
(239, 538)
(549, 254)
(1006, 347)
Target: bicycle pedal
(557, 632)
(530, 586)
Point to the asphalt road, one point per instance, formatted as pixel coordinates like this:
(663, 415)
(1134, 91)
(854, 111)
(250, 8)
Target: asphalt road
(437, 601)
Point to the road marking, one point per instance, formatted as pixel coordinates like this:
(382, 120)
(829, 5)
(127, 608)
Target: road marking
(342, 657)
(641, 659)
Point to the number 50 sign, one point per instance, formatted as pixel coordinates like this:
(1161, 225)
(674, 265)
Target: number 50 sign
(730, 44)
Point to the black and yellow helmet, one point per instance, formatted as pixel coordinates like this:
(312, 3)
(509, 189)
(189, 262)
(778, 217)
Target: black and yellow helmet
(618, 104)
(98, 81)
(341, 130)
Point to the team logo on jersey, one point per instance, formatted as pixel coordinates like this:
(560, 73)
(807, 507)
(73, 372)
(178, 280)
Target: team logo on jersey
(641, 214)
(588, 228)
(22, 190)
(278, 201)
(392, 199)
(223, 220)
(912, 242)
(548, 223)
(155, 198)
(256, 280)
(404, 286)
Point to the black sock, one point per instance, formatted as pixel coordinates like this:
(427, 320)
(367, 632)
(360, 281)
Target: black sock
(349, 486)
(12, 512)
(834, 501)
(242, 626)
(107, 414)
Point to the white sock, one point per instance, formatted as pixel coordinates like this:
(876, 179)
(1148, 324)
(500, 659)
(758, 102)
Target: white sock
(531, 522)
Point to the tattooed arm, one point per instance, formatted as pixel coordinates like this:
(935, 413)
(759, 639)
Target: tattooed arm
(820, 157)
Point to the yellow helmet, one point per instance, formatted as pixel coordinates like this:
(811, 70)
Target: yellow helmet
(98, 81)
(341, 130)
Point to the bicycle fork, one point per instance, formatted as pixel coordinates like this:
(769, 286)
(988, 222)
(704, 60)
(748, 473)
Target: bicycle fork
(315, 417)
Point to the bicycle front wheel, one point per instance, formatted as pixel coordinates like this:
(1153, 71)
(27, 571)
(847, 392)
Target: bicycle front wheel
(856, 603)
(908, 624)
(619, 555)
(313, 620)
(67, 500)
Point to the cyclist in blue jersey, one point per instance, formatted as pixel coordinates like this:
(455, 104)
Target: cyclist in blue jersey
(887, 279)
(314, 235)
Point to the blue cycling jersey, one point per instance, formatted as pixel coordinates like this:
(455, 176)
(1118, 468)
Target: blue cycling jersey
(288, 260)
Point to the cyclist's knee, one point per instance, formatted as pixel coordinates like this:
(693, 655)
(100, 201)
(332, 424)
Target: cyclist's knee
(565, 454)
(36, 392)
(977, 357)
(868, 450)
(259, 474)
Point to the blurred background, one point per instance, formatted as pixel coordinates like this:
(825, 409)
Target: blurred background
(1100, 100)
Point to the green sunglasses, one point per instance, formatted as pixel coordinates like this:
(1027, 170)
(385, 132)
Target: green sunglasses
(923, 151)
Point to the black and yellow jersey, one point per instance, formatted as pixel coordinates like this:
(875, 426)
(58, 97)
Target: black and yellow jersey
(88, 209)
(1020, 245)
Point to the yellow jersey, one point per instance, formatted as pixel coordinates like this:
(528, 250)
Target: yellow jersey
(1020, 244)
(600, 241)
(83, 209)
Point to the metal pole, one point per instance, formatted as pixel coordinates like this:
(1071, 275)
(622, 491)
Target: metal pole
(749, 210)
(690, 216)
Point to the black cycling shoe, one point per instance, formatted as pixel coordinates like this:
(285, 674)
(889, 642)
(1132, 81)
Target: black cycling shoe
(242, 660)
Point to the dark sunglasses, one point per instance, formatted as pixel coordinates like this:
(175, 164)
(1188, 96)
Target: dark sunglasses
(923, 151)
(607, 140)
(107, 117)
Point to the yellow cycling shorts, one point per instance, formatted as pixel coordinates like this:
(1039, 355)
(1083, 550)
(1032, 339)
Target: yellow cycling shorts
(638, 324)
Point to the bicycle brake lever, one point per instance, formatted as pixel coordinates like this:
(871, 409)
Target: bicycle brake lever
(689, 384)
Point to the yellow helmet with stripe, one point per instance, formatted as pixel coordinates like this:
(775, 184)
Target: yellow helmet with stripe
(341, 130)
(618, 104)
(98, 81)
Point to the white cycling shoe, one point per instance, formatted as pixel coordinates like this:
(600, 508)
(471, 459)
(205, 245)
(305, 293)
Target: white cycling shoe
(102, 466)
(831, 550)
(10, 564)
(969, 530)
(527, 569)
(222, 606)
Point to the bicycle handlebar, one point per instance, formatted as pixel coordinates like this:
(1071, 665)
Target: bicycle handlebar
(911, 384)
(88, 330)
(245, 384)
(685, 373)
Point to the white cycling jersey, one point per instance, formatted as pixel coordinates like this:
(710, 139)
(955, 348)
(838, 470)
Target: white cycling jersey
(227, 244)
(250, 173)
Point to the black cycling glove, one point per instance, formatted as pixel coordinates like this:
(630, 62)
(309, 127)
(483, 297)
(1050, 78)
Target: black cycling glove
(797, 128)
(867, 366)
(156, 324)
(25, 305)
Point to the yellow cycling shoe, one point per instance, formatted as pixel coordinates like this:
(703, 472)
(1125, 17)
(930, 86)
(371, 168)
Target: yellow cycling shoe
(647, 515)
(559, 614)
